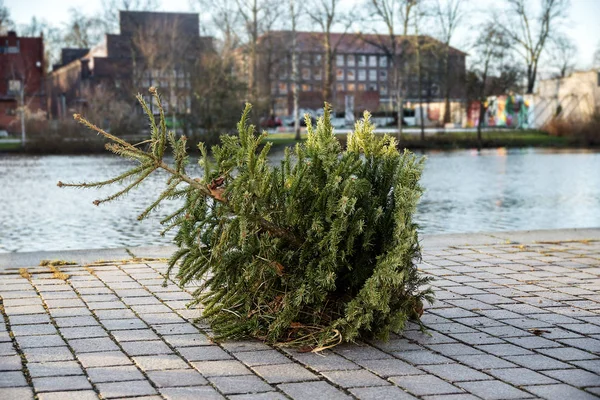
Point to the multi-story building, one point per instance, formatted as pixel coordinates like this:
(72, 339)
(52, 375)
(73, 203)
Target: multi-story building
(21, 77)
(152, 49)
(363, 68)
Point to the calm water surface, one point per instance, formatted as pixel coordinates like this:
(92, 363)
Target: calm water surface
(465, 192)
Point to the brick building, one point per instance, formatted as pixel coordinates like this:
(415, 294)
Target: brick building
(362, 68)
(152, 49)
(21, 78)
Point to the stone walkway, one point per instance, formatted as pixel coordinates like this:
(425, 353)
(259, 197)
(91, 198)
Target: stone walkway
(516, 318)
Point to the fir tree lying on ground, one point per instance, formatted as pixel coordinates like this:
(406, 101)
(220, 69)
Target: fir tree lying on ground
(316, 251)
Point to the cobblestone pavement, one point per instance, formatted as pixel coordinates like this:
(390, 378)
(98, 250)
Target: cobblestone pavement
(514, 320)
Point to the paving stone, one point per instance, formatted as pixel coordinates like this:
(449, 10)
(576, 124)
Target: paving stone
(48, 354)
(61, 383)
(575, 377)
(204, 353)
(134, 335)
(463, 396)
(10, 363)
(236, 346)
(191, 393)
(174, 378)
(592, 365)
(521, 376)
(146, 348)
(36, 329)
(559, 392)
(476, 338)
(189, 340)
(29, 319)
(354, 352)
(282, 374)
(120, 324)
(354, 378)
(537, 362)
(425, 357)
(103, 359)
(12, 379)
(533, 342)
(83, 332)
(114, 374)
(588, 344)
(567, 354)
(125, 389)
(240, 384)
(20, 393)
(504, 349)
(160, 362)
(493, 390)
(40, 341)
(93, 345)
(422, 385)
(264, 357)
(389, 367)
(57, 368)
(381, 393)
(323, 361)
(484, 361)
(312, 390)
(456, 372)
(454, 349)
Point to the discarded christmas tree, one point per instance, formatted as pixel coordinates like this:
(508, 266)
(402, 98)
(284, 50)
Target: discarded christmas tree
(318, 250)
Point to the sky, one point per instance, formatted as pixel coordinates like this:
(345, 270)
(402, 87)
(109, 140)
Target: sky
(582, 22)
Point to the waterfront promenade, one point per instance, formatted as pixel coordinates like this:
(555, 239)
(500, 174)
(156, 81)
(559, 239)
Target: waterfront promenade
(517, 316)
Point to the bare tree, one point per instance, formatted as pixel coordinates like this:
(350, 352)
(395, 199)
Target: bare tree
(83, 31)
(53, 39)
(562, 53)
(491, 46)
(6, 23)
(596, 61)
(395, 15)
(449, 15)
(326, 15)
(295, 93)
(531, 33)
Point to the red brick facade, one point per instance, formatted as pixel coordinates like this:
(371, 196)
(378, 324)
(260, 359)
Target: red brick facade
(21, 76)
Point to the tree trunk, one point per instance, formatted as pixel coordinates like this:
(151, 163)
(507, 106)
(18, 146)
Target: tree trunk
(447, 116)
(328, 78)
(295, 74)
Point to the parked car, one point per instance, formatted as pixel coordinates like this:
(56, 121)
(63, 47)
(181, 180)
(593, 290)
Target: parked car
(3, 134)
(271, 122)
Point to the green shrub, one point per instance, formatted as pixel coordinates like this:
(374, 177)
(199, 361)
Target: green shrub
(315, 251)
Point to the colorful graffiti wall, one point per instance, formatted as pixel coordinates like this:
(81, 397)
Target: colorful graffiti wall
(508, 111)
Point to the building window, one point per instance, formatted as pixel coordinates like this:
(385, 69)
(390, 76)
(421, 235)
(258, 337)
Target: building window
(362, 60)
(362, 75)
(283, 89)
(305, 74)
(373, 75)
(340, 87)
(362, 87)
(14, 86)
(318, 59)
(351, 87)
(383, 61)
(350, 76)
(305, 59)
(383, 75)
(383, 89)
(339, 73)
(372, 87)
(351, 60)
(306, 88)
(317, 74)
(339, 60)
(372, 61)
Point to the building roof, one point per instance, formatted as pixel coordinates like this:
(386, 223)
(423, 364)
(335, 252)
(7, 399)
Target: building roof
(349, 42)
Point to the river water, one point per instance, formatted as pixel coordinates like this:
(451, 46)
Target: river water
(465, 191)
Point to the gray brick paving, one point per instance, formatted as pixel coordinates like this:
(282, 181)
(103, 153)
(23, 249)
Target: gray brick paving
(514, 319)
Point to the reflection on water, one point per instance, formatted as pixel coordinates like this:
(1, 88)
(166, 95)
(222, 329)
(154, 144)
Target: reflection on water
(466, 191)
